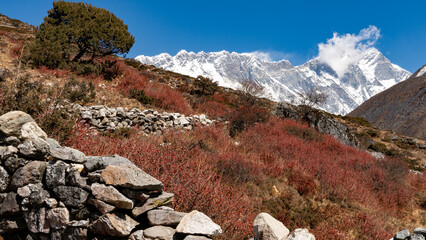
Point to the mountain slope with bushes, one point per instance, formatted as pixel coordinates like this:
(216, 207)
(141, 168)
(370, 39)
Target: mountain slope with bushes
(249, 161)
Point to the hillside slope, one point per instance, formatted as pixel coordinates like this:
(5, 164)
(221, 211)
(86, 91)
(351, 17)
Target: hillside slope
(401, 108)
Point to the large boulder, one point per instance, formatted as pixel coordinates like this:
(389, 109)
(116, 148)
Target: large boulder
(12, 122)
(130, 176)
(197, 222)
(267, 227)
(114, 225)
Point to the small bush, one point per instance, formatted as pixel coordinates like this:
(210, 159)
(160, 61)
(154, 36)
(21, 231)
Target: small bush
(140, 96)
(244, 117)
(80, 91)
(309, 134)
(372, 132)
(378, 147)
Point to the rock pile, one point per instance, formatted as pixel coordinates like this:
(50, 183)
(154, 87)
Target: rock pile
(418, 234)
(105, 118)
(48, 191)
(266, 227)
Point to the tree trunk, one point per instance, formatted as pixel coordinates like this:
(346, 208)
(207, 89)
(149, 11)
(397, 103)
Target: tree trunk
(79, 55)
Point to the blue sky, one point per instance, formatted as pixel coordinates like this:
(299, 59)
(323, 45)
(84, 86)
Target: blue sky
(283, 29)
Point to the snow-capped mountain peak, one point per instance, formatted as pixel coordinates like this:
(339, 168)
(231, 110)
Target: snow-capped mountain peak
(370, 74)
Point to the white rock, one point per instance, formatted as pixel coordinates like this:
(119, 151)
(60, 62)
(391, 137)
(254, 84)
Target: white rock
(301, 234)
(197, 222)
(32, 130)
(267, 227)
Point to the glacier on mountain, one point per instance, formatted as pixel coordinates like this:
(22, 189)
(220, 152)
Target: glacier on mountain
(369, 75)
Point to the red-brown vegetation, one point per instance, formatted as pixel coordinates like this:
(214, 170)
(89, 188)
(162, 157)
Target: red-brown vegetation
(337, 191)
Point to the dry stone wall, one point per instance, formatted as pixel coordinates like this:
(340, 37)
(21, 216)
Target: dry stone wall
(48, 191)
(150, 121)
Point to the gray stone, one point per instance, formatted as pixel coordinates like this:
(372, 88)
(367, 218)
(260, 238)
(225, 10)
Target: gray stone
(37, 221)
(32, 130)
(11, 122)
(116, 225)
(267, 227)
(68, 154)
(164, 199)
(32, 172)
(130, 176)
(101, 206)
(8, 152)
(55, 173)
(10, 205)
(75, 179)
(111, 195)
(24, 191)
(137, 235)
(417, 236)
(301, 234)
(402, 235)
(164, 217)
(58, 217)
(4, 179)
(13, 163)
(13, 141)
(197, 222)
(52, 143)
(93, 163)
(37, 194)
(115, 160)
(34, 148)
(159, 232)
(71, 196)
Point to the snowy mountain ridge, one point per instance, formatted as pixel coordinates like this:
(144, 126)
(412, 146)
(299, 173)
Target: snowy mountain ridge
(282, 81)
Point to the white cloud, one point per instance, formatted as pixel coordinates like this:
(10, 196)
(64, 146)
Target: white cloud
(343, 50)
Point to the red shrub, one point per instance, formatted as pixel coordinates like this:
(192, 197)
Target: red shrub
(212, 108)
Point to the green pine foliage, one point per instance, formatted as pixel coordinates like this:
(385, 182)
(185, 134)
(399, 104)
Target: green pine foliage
(78, 31)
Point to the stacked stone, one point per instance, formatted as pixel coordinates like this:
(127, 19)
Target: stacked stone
(418, 234)
(266, 227)
(48, 191)
(150, 121)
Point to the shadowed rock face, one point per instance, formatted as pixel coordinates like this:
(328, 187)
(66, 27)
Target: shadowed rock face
(401, 108)
(53, 192)
(317, 119)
